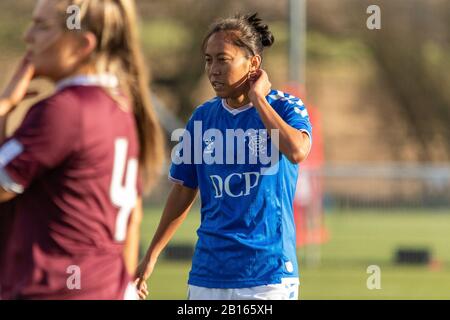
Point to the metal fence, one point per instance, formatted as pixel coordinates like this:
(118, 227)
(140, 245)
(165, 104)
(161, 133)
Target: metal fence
(378, 186)
(386, 186)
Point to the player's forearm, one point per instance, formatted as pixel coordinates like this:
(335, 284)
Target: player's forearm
(6, 196)
(5, 106)
(178, 204)
(291, 142)
(2, 129)
(131, 249)
(3, 118)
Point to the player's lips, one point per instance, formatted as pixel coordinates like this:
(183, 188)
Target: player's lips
(217, 85)
(30, 53)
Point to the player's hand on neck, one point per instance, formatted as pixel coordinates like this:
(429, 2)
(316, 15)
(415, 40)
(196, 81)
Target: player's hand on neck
(17, 88)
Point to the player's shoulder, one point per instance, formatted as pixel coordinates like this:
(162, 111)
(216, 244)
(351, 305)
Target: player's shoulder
(287, 104)
(60, 105)
(70, 101)
(281, 98)
(62, 109)
(205, 108)
(64, 100)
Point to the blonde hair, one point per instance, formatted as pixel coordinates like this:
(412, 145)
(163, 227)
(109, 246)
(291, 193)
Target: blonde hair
(114, 23)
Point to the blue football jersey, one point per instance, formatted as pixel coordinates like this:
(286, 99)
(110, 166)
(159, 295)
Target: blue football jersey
(247, 234)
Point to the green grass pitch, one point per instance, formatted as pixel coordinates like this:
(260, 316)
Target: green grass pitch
(357, 240)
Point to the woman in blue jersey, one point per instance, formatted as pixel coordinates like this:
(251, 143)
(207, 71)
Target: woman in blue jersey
(241, 150)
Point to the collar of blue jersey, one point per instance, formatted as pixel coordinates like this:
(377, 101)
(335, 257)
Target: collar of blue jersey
(235, 111)
(106, 80)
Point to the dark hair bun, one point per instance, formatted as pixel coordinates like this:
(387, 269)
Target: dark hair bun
(266, 35)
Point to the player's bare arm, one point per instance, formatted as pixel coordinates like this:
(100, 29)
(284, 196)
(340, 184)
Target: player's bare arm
(14, 93)
(294, 144)
(6, 196)
(131, 249)
(3, 104)
(177, 207)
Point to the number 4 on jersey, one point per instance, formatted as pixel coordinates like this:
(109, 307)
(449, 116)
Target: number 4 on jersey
(125, 196)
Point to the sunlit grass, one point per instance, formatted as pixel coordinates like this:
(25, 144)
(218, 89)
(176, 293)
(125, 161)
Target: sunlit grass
(358, 239)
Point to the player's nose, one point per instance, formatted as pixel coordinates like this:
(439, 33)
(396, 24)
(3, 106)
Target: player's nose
(215, 70)
(27, 36)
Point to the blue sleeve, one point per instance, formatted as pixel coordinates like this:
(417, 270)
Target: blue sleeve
(183, 169)
(295, 114)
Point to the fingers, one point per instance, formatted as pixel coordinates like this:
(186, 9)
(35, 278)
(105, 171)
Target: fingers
(17, 88)
(25, 69)
(141, 284)
(252, 78)
(141, 288)
(255, 75)
(143, 292)
(26, 72)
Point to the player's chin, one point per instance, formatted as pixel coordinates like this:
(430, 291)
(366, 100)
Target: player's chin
(41, 69)
(45, 68)
(47, 72)
(39, 73)
(221, 93)
(43, 74)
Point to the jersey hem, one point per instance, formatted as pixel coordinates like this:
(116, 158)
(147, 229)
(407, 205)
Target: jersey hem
(224, 284)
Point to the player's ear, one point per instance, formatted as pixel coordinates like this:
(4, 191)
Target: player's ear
(255, 62)
(88, 44)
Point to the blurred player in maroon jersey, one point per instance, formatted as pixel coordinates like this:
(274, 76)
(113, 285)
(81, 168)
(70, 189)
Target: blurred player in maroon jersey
(72, 174)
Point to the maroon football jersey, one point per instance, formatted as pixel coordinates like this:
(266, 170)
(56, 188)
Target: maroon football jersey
(6, 220)
(76, 160)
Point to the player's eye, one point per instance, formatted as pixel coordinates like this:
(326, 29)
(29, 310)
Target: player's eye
(45, 24)
(42, 26)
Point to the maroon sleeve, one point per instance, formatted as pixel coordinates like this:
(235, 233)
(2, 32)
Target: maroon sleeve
(46, 137)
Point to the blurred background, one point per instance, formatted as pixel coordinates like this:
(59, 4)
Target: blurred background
(376, 189)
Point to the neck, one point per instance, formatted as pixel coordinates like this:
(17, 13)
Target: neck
(84, 70)
(237, 102)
